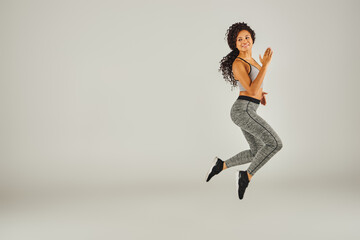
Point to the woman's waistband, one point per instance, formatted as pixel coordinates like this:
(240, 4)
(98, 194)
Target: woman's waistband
(251, 99)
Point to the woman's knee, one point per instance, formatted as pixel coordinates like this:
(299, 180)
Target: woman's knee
(279, 144)
(276, 144)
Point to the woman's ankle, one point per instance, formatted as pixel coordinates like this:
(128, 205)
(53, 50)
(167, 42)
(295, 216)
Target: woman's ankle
(249, 175)
(224, 166)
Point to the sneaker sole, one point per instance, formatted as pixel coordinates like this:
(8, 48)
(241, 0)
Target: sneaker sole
(237, 176)
(213, 165)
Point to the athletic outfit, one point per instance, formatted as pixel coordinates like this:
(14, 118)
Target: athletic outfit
(263, 140)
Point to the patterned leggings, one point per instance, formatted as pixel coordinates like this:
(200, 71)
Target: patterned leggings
(263, 140)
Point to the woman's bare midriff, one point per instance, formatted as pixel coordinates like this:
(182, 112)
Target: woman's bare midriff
(257, 96)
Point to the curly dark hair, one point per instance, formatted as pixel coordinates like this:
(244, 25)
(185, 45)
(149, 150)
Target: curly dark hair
(227, 61)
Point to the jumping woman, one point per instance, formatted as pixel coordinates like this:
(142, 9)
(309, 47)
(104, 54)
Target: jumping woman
(239, 68)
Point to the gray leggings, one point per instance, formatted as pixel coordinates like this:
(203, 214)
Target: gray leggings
(263, 140)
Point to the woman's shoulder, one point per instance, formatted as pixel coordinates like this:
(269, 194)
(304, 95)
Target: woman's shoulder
(240, 61)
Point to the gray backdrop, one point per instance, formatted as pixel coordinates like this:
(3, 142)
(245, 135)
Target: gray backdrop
(112, 111)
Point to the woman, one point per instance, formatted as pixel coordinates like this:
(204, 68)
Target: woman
(239, 68)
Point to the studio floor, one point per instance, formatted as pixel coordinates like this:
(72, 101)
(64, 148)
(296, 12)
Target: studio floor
(269, 210)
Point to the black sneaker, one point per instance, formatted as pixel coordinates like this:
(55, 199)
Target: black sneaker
(242, 183)
(216, 168)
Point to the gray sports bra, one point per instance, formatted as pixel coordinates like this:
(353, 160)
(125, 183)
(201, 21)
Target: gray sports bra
(252, 75)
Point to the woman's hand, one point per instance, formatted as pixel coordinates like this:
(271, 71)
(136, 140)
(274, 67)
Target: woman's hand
(263, 99)
(266, 59)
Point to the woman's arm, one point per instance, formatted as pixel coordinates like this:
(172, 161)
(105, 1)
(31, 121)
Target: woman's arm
(265, 63)
(255, 85)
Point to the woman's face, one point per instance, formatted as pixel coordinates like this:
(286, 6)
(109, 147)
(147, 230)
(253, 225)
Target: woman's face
(244, 41)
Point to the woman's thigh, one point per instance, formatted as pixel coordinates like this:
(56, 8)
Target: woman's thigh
(245, 116)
